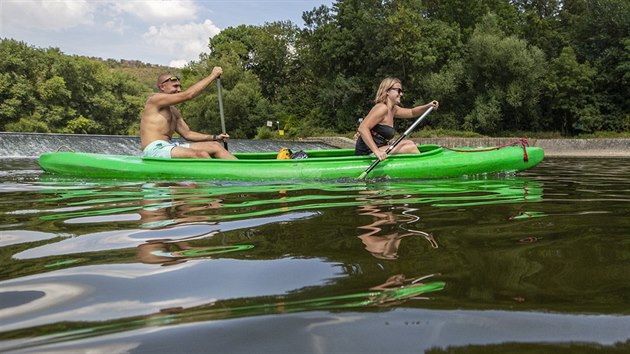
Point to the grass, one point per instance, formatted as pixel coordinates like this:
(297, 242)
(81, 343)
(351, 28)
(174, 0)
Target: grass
(605, 135)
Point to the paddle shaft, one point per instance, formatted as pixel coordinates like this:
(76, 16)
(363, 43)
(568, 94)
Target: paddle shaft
(225, 145)
(400, 138)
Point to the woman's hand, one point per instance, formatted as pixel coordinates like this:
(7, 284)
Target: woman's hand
(381, 155)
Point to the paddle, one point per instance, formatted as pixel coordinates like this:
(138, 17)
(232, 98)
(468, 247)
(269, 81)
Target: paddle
(225, 145)
(400, 138)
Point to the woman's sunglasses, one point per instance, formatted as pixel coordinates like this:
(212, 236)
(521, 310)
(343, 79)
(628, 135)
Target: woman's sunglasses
(399, 90)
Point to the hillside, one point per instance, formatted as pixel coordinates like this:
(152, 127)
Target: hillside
(145, 73)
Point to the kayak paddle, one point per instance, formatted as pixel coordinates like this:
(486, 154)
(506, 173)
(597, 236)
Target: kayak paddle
(221, 110)
(400, 138)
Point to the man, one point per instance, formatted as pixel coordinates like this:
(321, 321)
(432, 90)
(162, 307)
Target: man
(160, 119)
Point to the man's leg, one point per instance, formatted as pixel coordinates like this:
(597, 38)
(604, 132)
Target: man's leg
(203, 150)
(180, 152)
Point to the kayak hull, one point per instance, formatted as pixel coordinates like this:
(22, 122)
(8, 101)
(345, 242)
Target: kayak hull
(433, 162)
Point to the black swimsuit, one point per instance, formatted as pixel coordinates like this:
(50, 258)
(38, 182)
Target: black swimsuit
(380, 133)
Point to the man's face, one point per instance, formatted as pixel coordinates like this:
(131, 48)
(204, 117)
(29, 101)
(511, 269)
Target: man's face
(171, 85)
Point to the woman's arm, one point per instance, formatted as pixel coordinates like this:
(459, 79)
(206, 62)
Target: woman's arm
(374, 117)
(414, 112)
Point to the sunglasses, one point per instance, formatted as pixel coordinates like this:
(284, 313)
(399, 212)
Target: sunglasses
(172, 78)
(399, 90)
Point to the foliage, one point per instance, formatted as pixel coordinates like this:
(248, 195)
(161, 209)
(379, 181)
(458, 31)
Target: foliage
(538, 66)
(264, 133)
(46, 91)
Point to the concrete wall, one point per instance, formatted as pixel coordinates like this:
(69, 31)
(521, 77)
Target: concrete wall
(552, 147)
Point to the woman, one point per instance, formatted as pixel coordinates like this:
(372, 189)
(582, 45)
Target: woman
(378, 127)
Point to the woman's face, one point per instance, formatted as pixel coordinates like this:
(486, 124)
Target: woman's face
(395, 93)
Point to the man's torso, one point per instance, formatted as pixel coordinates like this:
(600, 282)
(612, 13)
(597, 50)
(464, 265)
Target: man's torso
(157, 124)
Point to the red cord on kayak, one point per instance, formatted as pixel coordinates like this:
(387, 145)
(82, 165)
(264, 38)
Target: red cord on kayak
(522, 142)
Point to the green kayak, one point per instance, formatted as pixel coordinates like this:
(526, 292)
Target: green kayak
(433, 162)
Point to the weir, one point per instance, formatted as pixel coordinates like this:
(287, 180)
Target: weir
(30, 145)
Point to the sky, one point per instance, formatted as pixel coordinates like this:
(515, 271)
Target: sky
(164, 32)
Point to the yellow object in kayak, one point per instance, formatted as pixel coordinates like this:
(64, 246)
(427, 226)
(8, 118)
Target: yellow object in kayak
(284, 154)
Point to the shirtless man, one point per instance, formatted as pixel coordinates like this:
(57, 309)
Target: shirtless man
(160, 119)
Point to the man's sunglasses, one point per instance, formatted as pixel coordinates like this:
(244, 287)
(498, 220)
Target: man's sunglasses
(172, 78)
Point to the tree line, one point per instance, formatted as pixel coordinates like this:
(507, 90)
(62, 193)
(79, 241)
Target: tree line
(496, 66)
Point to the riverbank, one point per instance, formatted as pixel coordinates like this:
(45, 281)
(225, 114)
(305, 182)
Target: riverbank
(552, 147)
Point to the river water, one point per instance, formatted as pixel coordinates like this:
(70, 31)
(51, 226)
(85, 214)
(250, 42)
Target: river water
(534, 262)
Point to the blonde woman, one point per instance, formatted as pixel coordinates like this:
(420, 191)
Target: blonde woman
(377, 128)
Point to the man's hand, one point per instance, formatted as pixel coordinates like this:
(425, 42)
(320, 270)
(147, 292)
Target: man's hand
(217, 71)
(223, 137)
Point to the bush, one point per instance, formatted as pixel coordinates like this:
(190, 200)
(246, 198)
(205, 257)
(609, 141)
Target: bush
(28, 124)
(264, 133)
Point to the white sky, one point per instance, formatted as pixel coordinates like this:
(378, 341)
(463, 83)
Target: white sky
(166, 32)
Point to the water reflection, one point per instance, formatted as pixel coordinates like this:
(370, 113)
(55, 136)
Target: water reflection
(398, 288)
(170, 252)
(394, 291)
(97, 222)
(384, 245)
(207, 201)
(248, 249)
(165, 204)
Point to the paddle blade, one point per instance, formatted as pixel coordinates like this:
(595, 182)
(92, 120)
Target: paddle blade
(364, 174)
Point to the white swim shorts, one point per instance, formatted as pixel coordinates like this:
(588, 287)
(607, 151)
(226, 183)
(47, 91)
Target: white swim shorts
(162, 148)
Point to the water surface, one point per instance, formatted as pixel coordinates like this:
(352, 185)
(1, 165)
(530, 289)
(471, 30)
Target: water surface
(531, 262)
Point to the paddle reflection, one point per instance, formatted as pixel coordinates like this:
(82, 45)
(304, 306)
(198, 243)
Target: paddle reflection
(171, 252)
(386, 246)
(398, 289)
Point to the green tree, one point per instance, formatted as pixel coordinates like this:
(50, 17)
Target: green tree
(495, 85)
(570, 87)
(543, 24)
(599, 31)
(504, 71)
(466, 14)
(46, 91)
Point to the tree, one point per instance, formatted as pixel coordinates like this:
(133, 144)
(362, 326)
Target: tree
(599, 31)
(570, 86)
(543, 24)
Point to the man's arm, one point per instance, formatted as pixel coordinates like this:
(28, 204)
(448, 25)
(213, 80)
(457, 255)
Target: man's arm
(184, 130)
(163, 100)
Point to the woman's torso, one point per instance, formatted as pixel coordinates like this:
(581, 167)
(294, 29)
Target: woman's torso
(381, 134)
